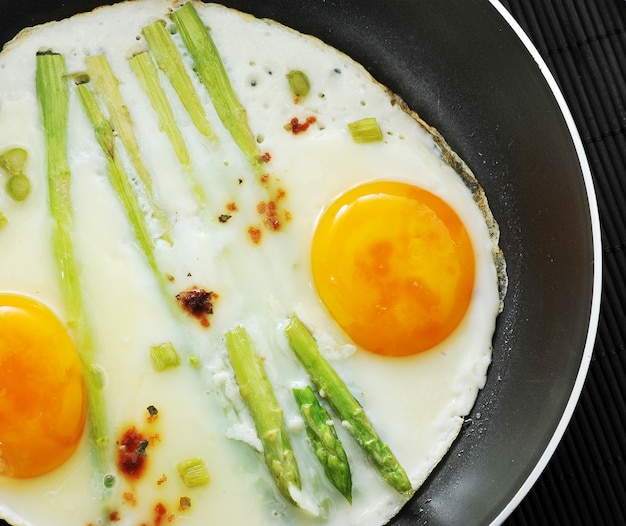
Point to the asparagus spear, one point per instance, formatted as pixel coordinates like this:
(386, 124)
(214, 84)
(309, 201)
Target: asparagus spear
(126, 193)
(147, 74)
(118, 177)
(170, 63)
(332, 387)
(107, 86)
(210, 68)
(53, 95)
(323, 438)
(257, 392)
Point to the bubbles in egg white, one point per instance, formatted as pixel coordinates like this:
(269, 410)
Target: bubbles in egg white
(417, 404)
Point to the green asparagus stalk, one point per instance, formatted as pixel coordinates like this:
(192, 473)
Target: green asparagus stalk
(171, 64)
(209, 66)
(332, 387)
(323, 438)
(147, 74)
(118, 177)
(165, 355)
(106, 86)
(53, 95)
(257, 392)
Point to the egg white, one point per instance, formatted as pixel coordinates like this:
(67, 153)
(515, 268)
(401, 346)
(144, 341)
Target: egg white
(417, 403)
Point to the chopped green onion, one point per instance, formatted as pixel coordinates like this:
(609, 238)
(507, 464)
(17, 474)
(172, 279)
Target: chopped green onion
(18, 187)
(164, 356)
(171, 64)
(366, 130)
(298, 83)
(195, 362)
(106, 85)
(3, 220)
(193, 472)
(12, 161)
(109, 481)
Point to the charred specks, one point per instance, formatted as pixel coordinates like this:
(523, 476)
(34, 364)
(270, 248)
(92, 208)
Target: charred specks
(141, 448)
(198, 303)
(131, 453)
(153, 413)
(296, 127)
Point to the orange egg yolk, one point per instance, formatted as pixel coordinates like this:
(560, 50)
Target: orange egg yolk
(42, 389)
(394, 265)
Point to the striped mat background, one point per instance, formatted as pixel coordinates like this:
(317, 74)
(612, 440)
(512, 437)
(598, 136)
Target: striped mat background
(584, 45)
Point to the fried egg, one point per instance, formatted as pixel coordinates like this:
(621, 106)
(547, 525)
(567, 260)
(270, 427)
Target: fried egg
(385, 249)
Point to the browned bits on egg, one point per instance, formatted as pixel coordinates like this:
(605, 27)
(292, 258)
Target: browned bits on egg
(184, 503)
(296, 127)
(162, 480)
(130, 462)
(153, 413)
(273, 214)
(141, 448)
(198, 303)
(255, 234)
(160, 513)
(230, 208)
(128, 497)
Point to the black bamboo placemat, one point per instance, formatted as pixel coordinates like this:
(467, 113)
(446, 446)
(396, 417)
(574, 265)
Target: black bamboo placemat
(584, 44)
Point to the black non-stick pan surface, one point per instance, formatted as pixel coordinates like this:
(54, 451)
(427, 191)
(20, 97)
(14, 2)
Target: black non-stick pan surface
(466, 71)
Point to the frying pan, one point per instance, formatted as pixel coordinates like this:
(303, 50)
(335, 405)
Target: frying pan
(468, 70)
